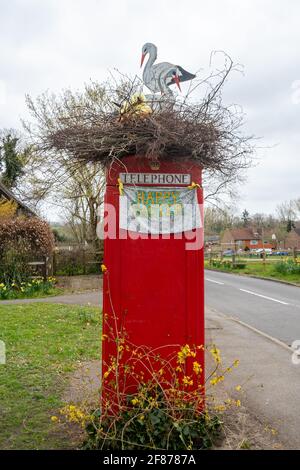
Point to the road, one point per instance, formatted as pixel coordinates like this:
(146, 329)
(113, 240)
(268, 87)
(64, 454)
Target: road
(271, 307)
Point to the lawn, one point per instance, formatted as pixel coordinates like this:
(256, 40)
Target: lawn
(258, 268)
(44, 344)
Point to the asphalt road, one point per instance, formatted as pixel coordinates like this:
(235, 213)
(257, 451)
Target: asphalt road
(271, 307)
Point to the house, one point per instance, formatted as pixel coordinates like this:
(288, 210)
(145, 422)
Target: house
(22, 209)
(292, 240)
(246, 238)
(212, 240)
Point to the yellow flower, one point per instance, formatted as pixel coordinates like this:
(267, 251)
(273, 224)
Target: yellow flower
(74, 414)
(220, 407)
(184, 353)
(103, 268)
(54, 419)
(197, 368)
(238, 388)
(236, 363)
(106, 374)
(135, 401)
(187, 380)
(215, 352)
(238, 403)
(216, 380)
(142, 417)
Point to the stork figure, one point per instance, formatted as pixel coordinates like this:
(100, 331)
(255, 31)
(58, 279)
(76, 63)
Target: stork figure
(156, 75)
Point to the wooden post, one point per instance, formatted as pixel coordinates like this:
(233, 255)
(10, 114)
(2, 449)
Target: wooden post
(295, 254)
(84, 260)
(45, 268)
(54, 263)
(210, 258)
(264, 259)
(233, 259)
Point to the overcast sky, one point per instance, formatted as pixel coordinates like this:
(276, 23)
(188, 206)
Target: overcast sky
(54, 44)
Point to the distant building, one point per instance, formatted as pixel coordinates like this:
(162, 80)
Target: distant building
(22, 209)
(212, 240)
(244, 238)
(292, 240)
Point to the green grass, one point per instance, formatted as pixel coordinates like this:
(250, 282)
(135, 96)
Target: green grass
(257, 268)
(44, 343)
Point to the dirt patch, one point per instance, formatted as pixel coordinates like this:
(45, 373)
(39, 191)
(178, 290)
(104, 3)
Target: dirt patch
(241, 430)
(82, 391)
(84, 385)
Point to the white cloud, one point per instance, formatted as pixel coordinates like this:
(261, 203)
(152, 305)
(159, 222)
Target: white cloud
(2, 92)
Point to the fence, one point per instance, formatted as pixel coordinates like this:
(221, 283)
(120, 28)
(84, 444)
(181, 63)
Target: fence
(77, 260)
(239, 258)
(64, 262)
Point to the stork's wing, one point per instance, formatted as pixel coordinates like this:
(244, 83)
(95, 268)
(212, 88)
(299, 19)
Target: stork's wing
(183, 76)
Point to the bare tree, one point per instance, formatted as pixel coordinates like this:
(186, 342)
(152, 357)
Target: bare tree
(102, 124)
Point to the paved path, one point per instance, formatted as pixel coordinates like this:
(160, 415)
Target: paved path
(270, 381)
(272, 307)
(85, 298)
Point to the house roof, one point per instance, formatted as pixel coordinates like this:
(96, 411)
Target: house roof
(245, 234)
(11, 197)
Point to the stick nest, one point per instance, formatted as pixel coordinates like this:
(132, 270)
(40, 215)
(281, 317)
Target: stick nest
(101, 125)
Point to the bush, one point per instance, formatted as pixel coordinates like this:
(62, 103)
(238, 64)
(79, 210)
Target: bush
(33, 234)
(239, 266)
(287, 267)
(146, 422)
(16, 289)
(221, 264)
(20, 239)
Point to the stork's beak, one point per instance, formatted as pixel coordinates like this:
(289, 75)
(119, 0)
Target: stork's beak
(176, 80)
(142, 59)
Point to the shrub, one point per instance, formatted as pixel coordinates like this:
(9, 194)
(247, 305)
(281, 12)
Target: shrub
(287, 267)
(239, 266)
(34, 235)
(20, 239)
(17, 289)
(152, 401)
(148, 422)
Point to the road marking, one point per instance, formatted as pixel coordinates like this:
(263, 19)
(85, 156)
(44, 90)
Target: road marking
(215, 282)
(264, 297)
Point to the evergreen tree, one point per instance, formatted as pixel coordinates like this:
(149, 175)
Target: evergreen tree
(11, 160)
(290, 225)
(245, 218)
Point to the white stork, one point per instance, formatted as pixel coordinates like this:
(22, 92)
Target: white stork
(152, 72)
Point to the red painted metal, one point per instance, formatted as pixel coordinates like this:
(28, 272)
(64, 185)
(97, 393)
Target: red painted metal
(154, 288)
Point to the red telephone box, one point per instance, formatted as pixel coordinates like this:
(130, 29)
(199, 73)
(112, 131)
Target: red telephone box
(154, 284)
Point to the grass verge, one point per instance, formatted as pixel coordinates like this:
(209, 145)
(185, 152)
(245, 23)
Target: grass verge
(44, 343)
(260, 270)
